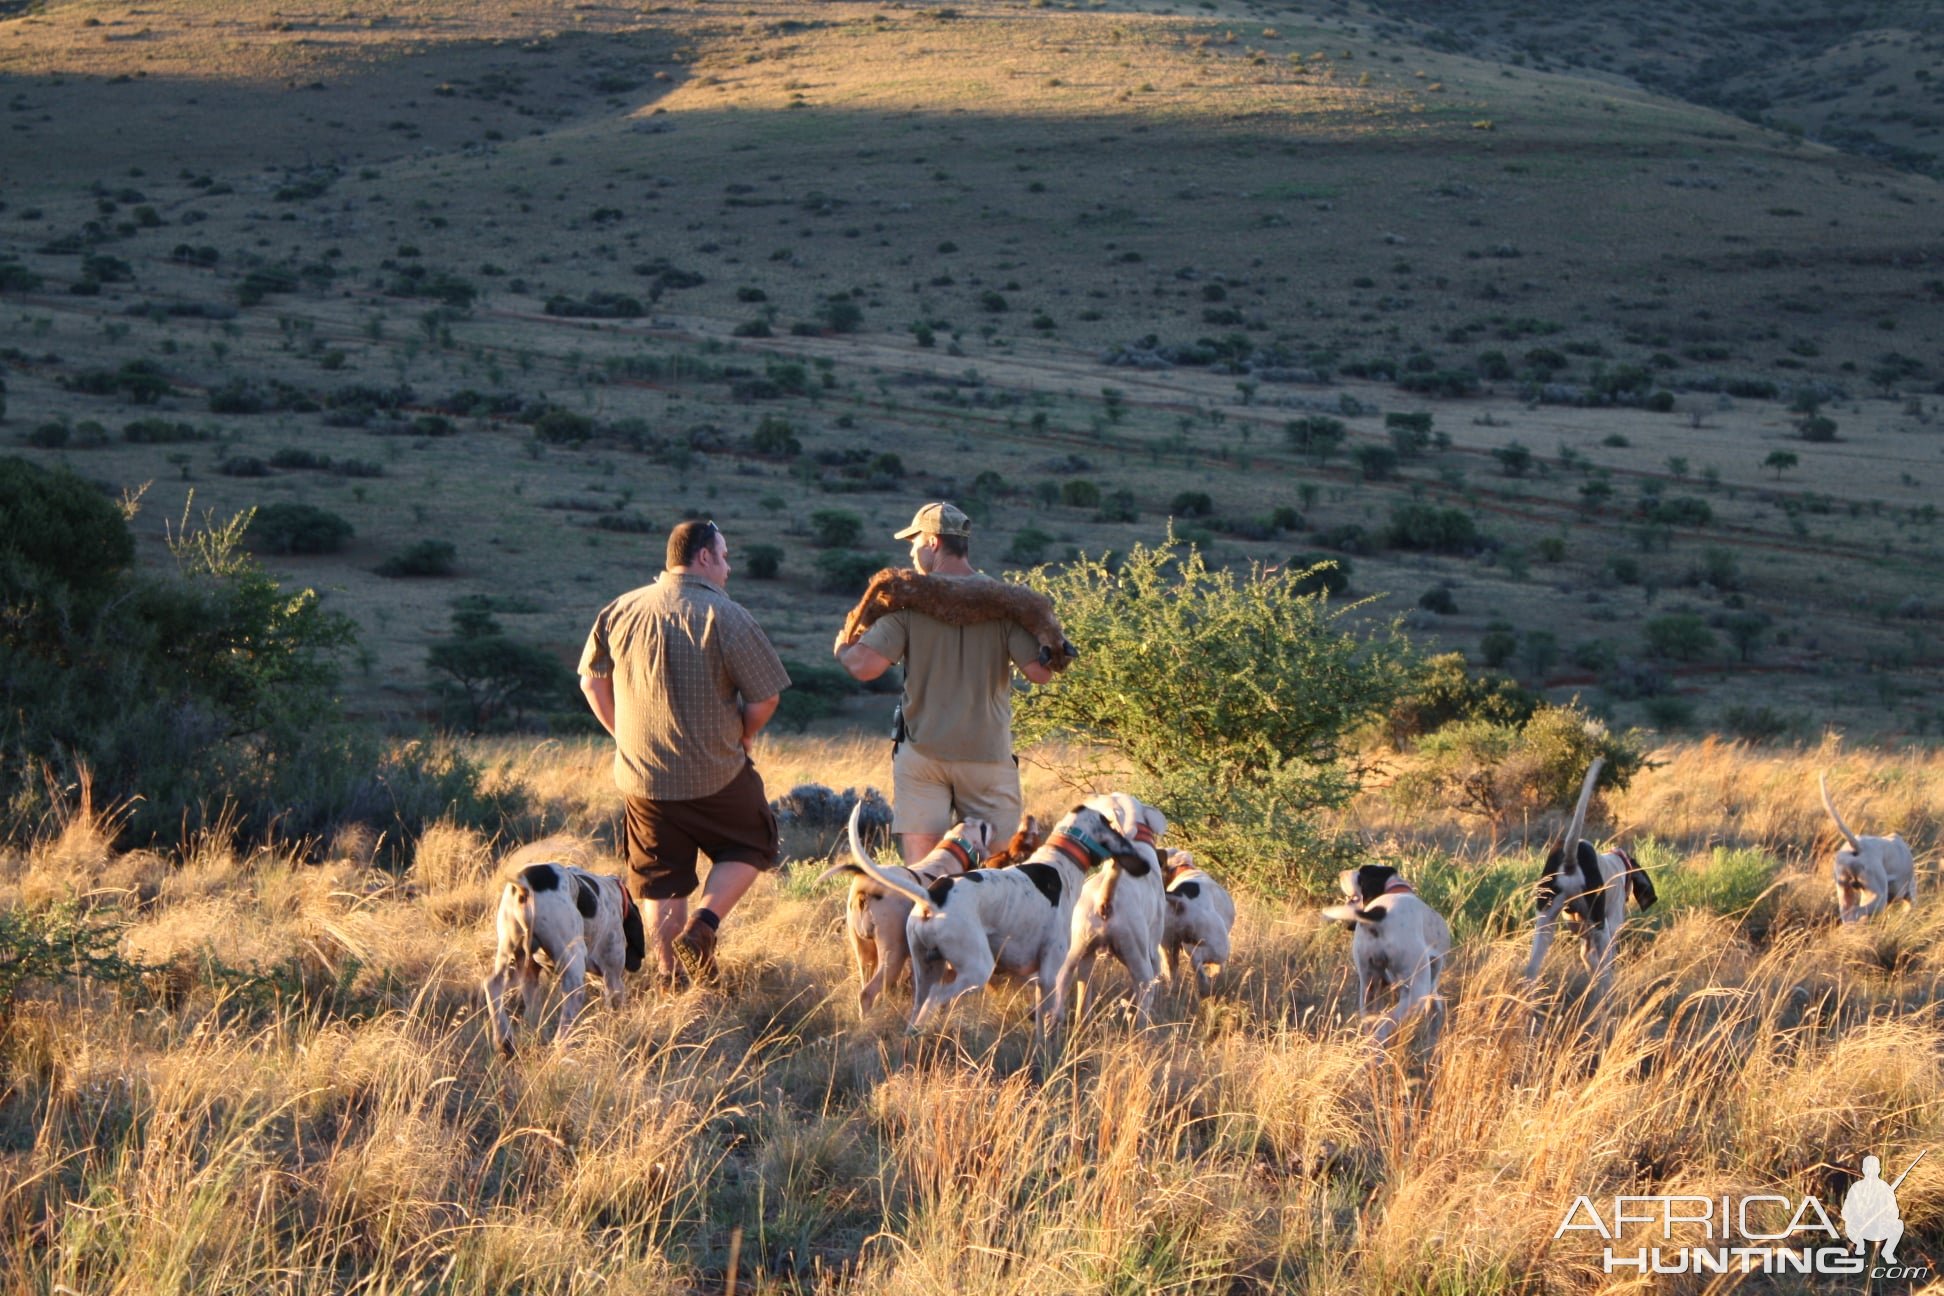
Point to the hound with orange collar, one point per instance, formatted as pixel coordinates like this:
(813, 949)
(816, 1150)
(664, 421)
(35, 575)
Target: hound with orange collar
(965, 928)
(875, 914)
(1123, 906)
(1400, 941)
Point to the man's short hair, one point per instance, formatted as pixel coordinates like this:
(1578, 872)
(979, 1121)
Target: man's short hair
(957, 546)
(687, 541)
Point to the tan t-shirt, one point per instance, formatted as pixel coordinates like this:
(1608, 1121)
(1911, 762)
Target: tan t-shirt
(958, 681)
(684, 657)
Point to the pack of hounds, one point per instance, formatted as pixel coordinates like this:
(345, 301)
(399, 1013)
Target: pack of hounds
(1042, 907)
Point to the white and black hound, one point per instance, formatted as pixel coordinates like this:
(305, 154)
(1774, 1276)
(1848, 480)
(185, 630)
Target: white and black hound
(1199, 918)
(1400, 941)
(1017, 920)
(567, 920)
(1122, 907)
(1589, 888)
(875, 916)
(1872, 872)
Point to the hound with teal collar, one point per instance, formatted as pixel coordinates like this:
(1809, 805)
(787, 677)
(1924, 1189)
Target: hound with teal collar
(1122, 906)
(875, 915)
(963, 929)
(1401, 941)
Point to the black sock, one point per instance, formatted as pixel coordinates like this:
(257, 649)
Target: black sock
(708, 916)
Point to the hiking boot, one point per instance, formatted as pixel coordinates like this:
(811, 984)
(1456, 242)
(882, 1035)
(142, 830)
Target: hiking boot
(695, 949)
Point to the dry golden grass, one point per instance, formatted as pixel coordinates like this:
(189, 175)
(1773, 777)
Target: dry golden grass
(352, 1131)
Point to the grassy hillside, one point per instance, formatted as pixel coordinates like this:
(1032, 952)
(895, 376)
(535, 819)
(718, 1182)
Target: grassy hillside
(338, 1121)
(947, 221)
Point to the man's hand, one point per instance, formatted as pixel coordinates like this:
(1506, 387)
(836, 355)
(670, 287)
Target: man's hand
(837, 649)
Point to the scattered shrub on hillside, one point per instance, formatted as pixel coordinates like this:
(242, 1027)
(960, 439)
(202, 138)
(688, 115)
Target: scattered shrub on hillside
(596, 305)
(290, 528)
(815, 693)
(1514, 459)
(243, 466)
(762, 561)
(1682, 636)
(1447, 691)
(1428, 528)
(1192, 504)
(1376, 462)
(486, 680)
(1438, 599)
(1078, 492)
(424, 558)
(836, 528)
(1028, 547)
(845, 571)
(1316, 435)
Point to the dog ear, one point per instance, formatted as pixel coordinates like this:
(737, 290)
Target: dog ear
(1347, 883)
(631, 932)
(1372, 879)
(1642, 887)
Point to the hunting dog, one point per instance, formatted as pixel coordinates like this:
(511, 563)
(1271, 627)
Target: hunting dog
(569, 921)
(875, 917)
(1589, 888)
(1400, 941)
(964, 928)
(1198, 920)
(1121, 905)
(1872, 872)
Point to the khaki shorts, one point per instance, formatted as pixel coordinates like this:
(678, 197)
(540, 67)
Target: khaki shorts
(931, 796)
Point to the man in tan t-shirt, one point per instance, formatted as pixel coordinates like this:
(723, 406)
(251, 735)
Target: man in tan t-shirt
(956, 759)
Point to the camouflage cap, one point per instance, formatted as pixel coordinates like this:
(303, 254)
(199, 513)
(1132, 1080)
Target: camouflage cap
(937, 519)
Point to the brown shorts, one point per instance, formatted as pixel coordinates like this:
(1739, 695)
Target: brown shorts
(665, 836)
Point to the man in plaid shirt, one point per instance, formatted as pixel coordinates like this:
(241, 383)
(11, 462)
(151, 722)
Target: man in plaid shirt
(684, 679)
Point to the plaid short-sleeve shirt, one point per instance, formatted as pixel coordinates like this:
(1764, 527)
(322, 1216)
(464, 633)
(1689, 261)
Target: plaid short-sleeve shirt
(684, 658)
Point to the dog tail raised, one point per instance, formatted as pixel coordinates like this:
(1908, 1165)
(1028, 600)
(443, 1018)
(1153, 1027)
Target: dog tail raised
(1354, 916)
(1112, 869)
(520, 895)
(1830, 806)
(889, 881)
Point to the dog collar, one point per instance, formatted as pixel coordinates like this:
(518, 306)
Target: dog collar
(1398, 886)
(960, 852)
(1078, 849)
(1143, 833)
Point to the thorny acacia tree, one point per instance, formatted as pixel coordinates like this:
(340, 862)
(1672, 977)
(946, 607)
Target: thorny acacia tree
(1231, 698)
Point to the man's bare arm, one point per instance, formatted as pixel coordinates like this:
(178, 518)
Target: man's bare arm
(599, 691)
(755, 715)
(863, 663)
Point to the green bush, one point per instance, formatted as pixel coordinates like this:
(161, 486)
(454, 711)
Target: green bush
(836, 528)
(1319, 573)
(1503, 772)
(762, 561)
(201, 701)
(425, 558)
(775, 437)
(1078, 492)
(1192, 504)
(1226, 699)
(1028, 548)
(1316, 435)
(486, 680)
(845, 571)
(1431, 529)
(1446, 692)
(1682, 636)
(815, 692)
(289, 528)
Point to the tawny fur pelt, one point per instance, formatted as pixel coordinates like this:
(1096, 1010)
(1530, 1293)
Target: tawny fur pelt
(1017, 851)
(960, 601)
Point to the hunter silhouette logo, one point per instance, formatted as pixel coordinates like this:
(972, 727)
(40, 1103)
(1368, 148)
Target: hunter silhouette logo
(1870, 1208)
(1759, 1233)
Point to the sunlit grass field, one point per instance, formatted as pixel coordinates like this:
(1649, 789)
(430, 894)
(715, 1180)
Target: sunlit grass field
(341, 1123)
